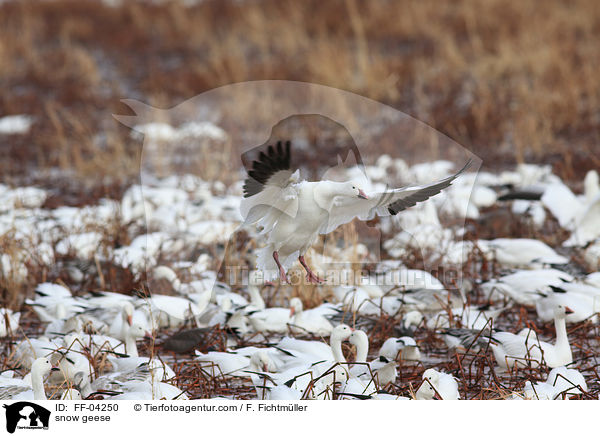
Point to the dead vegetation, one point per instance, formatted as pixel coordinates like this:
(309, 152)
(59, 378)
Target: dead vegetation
(511, 82)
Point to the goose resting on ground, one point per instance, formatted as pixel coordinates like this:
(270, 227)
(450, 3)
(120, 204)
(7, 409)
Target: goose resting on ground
(523, 350)
(294, 212)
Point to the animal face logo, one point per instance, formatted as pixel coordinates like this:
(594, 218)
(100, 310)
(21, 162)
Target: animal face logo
(26, 415)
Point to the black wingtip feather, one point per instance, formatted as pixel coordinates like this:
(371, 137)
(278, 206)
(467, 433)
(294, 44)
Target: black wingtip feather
(275, 159)
(424, 194)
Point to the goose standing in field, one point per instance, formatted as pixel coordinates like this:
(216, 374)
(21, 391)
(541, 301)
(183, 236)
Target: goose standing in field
(31, 387)
(523, 350)
(293, 212)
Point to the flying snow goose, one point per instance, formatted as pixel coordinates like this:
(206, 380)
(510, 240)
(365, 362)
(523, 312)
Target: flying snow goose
(293, 212)
(522, 350)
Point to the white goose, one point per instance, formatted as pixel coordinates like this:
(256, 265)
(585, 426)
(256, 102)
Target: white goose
(134, 333)
(293, 212)
(21, 389)
(436, 381)
(309, 360)
(383, 369)
(584, 306)
(522, 350)
(567, 381)
(524, 286)
(521, 252)
(271, 319)
(9, 321)
(405, 348)
(308, 321)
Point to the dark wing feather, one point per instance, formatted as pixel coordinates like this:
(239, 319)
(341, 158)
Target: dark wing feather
(425, 193)
(277, 158)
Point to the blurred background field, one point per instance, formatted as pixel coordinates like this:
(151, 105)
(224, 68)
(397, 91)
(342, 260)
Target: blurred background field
(511, 81)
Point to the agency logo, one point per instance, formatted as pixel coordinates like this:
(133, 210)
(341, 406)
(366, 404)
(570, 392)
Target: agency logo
(26, 415)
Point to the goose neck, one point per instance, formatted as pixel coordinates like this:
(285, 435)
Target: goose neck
(336, 349)
(131, 346)
(362, 351)
(256, 299)
(562, 340)
(37, 383)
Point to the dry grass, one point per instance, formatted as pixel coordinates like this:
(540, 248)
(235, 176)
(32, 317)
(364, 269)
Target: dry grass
(511, 82)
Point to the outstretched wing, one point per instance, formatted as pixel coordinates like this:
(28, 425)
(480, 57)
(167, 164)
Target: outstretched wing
(271, 168)
(269, 189)
(384, 203)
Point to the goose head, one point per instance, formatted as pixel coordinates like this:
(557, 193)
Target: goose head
(561, 311)
(358, 338)
(42, 366)
(260, 361)
(136, 331)
(352, 190)
(341, 332)
(431, 375)
(295, 306)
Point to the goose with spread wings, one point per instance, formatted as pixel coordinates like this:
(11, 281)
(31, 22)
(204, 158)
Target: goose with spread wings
(292, 213)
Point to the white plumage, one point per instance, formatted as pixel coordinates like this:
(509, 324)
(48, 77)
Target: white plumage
(292, 213)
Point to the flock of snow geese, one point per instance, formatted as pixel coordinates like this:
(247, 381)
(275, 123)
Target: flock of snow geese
(294, 352)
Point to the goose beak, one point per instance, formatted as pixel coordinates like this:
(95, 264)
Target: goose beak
(568, 310)
(129, 320)
(54, 368)
(361, 194)
(292, 311)
(148, 335)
